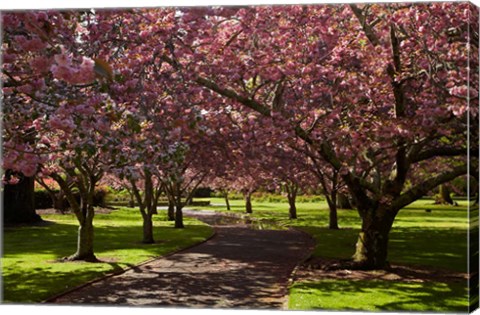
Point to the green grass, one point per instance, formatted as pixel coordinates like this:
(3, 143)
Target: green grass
(31, 273)
(435, 239)
(350, 295)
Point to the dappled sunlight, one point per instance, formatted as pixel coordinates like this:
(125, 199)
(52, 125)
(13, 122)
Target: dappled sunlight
(437, 238)
(240, 267)
(30, 264)
(379, 296)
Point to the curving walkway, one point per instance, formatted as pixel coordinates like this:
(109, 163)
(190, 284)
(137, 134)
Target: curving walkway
(238, 268)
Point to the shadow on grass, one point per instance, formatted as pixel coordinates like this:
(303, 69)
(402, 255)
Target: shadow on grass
(34, 285)
(440, 247)
(379, 296)
(31, 270)
(60, 239)
(444, 248)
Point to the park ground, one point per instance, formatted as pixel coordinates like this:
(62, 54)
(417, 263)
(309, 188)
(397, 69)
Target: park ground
(428, 255)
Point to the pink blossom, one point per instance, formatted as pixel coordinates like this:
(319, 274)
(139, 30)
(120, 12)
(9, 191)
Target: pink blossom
(29, 169)
(459, 91)
(41, 64)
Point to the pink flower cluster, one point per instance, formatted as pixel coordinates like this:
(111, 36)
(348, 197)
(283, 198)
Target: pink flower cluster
(65, 124)
(64, 69)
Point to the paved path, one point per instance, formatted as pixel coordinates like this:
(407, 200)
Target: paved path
(238, 268)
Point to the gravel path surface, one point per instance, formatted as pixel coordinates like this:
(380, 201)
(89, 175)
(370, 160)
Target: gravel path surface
(239, 267)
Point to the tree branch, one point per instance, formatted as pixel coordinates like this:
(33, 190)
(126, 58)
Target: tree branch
(421, 189)
(440, 152)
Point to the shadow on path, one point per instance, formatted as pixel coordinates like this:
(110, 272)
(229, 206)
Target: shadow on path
(238, 268)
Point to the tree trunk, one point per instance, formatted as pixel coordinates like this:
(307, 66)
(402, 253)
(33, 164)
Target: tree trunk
(227, 202)
(131, 202)
(171, 211)
(292, 210)
(343, 202)
(147, 229)
(19, 202)
(248, 203)
(59, 202)
(179, 216)
(85, 242)
(444, 196)
(372, 243)
(332, 215)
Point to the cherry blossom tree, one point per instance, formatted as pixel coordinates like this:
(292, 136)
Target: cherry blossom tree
(364, 85)
(59, 123)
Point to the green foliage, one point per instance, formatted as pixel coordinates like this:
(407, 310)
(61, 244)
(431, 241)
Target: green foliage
(202, 192)
(31, 270)
(44, 201)
(268, 197)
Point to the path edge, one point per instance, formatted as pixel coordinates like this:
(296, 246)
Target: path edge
(119, 272)
(305, 258)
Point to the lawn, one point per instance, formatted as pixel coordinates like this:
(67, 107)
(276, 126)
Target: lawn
(435, 239)
(30, 268)
(378, 296)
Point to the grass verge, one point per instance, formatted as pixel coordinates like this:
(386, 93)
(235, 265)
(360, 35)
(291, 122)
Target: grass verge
(30, 268)
(356, 295)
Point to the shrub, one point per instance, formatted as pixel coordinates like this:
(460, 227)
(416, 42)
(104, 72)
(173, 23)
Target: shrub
(42, 199)
(202, 192)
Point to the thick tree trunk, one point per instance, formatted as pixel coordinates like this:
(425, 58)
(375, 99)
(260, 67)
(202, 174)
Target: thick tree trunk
(179, 216)
(248, 203)
(147, 229)
(84, 242)
(444, 196)
(332, 215)
(372, 244)
(227, 202)
(19, 202)
(292, 210)
(333, 218)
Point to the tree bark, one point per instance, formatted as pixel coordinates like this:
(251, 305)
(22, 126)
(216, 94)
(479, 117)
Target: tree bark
(227, 202)
(332, 207)
(171, 211)
(19, 202)
(248, 203)
(148, 229)
(179, 216)
(292, 190)
(85, 242)
(372, 243)
(444, 196)
(292, 209)
(332, 216)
